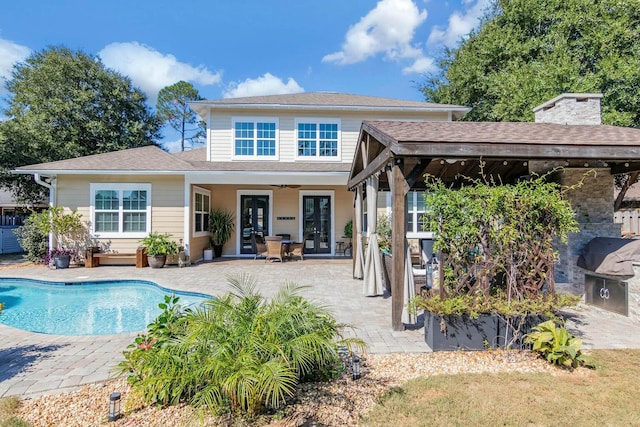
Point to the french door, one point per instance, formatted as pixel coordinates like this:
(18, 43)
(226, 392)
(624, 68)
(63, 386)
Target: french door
(255, 221)
(317, 224)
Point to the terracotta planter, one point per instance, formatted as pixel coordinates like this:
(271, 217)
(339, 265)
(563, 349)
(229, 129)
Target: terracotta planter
(157, 261)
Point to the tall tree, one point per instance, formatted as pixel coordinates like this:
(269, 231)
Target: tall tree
(526, 52)
(173, 109)
(64, 104)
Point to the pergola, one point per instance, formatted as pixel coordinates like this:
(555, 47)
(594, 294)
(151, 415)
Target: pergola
(396, 156)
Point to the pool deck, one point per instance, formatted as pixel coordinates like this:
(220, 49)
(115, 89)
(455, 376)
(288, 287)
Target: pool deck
(32, 364)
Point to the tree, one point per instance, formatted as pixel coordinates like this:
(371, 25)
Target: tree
(172, 109)
(527, 52)
(64, 104)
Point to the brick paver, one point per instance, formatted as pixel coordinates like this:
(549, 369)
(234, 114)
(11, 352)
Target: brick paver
(32, 364)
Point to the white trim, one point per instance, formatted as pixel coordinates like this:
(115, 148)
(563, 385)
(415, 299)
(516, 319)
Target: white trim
(187, 216)
(93, 187)
(317, 121)
(254, 119)
(204, 192)
(245, 192)
(331, 194)
(209, 131)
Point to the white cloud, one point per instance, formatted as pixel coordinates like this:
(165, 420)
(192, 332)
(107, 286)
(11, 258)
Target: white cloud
(388, 29)
(421, 65)
(173, 146)
(267, 84)
(10, 54)
(460, 25)
(152, 70)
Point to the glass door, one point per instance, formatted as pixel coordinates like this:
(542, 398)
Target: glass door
(255, 221)
(317, 224)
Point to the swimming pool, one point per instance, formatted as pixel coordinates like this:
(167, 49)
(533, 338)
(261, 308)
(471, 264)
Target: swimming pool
(84, 308)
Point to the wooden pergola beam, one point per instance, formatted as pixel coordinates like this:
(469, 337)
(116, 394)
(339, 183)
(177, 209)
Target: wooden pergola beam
(399, 190)
(374, 166)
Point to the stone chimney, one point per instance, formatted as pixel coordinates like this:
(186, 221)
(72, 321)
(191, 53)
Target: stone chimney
(571, 109)
(593, 201)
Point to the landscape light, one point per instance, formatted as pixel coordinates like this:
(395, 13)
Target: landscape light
(355, 368)
(114, 406)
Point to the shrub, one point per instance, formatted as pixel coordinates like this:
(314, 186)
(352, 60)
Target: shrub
(558, 346)
(34, 242)
(383, 230)
(238, 352)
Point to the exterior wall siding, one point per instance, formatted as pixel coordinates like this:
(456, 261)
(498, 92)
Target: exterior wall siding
(221, 134)
(167, 198)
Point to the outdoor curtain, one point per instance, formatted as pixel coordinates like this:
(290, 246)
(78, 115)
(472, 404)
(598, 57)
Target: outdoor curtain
(358, 266)
(409, 288)
(373, 265)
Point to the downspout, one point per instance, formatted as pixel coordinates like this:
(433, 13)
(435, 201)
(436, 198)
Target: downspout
(51, 186)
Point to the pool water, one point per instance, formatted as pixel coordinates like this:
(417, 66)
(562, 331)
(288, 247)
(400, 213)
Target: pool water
(84, 308)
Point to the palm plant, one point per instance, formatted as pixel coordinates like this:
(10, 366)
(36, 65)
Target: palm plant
(241, 351)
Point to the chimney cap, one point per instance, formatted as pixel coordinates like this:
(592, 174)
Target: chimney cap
(578, 96)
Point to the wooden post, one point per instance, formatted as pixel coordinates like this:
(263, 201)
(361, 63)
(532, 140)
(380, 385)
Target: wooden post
(399, 189)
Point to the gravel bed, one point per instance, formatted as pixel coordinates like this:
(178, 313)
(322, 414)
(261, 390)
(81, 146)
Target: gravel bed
(337, 403)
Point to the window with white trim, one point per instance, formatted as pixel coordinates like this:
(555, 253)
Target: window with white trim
(416, 209)
(120, 210)
(201, 208)
(255, 138)
(318, 139)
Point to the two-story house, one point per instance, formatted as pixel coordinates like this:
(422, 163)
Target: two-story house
(280, 163)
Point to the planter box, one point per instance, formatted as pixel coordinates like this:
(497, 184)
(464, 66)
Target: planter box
(465, 333)
(460, 332)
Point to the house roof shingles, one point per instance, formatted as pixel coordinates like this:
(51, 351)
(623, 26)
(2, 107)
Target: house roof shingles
(507, 132)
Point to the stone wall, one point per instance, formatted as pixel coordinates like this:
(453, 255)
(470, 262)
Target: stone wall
(570, 109)
(633, 287)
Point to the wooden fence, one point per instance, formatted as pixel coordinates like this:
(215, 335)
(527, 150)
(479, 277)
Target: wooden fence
(630, 220)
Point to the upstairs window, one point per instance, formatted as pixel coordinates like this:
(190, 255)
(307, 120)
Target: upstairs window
(121, 210)
(318, 139)
(255, 138)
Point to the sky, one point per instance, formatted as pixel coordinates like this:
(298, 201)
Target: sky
(236, 48)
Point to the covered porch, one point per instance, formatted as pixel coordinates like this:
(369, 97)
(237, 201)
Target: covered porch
(395, 156)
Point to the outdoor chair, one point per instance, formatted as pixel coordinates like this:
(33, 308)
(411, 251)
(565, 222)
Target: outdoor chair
(296, 250)
(260, 248)
(275, 248)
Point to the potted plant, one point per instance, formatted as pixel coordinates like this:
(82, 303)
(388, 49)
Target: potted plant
(221, 226)
(158, 246)
(67, 231)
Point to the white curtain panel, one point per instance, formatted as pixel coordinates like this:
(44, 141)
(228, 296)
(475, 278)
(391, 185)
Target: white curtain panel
(373, 265)
(358, 267)
(409, 288)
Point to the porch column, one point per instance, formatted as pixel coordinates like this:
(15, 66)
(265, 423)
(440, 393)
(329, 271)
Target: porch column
(399, 189)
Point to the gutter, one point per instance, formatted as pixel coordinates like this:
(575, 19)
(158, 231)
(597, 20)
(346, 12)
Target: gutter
(51, 186)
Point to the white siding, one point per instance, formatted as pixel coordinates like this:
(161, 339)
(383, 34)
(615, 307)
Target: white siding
(221, 134)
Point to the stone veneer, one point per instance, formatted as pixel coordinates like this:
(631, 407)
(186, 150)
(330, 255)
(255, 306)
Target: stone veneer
(633, 287)
(571, 109)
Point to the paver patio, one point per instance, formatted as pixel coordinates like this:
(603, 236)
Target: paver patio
(32, 364)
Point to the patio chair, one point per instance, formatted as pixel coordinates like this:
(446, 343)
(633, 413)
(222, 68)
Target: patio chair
(259, 248)
(296, 249)
(275, 249)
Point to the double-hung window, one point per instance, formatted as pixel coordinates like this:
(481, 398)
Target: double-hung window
(416, 209)
(318, 139)
(120, 210)
(202, 205)
(255, 138)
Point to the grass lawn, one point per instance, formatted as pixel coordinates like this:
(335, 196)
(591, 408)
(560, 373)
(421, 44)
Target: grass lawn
(608, 396)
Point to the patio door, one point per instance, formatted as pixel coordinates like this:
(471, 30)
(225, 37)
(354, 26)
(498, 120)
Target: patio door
(255, 220)
(317, 224)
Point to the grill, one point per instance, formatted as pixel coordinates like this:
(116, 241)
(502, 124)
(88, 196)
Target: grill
(610, 275)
